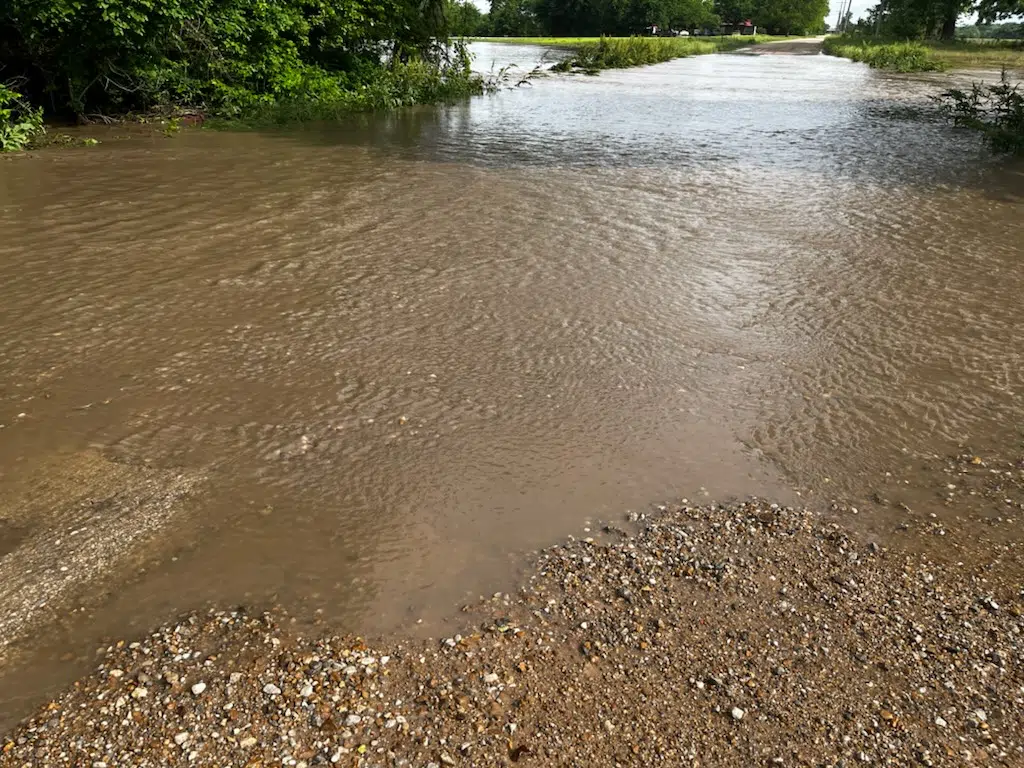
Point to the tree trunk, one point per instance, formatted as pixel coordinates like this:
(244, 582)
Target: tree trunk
(948, 31)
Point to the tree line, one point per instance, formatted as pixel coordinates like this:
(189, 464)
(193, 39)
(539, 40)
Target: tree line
(936, 19)
(586, 18)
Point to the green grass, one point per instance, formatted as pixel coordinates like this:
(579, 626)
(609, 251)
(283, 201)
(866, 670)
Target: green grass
(930, 55)
(978, 54)
(596, 53)
(896, 57)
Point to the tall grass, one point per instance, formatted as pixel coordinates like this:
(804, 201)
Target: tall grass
(895, 57)
(618, 52)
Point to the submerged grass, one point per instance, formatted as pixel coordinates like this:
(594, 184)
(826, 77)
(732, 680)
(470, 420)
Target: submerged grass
(930, 55)
(619, 52)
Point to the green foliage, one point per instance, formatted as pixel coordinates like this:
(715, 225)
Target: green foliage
(228, 57)
(995, 110)
(1007, 31)
(618, 52)
(20, 124)
(896, 57)
(464, 18)
(514, 18)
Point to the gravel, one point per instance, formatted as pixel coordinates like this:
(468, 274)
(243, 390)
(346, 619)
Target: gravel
(742, 634)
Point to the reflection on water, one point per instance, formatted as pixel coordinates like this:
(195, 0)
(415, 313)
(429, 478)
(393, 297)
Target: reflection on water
(400, 349)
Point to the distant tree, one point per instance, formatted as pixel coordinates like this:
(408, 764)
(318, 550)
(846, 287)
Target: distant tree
(464, 18)
(514, 18)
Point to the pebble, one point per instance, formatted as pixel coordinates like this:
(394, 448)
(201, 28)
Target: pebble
(353, 720)
(248, 741)
(198, 688)
(140, 693)
(271, 690)
(737, 713)
(939, 721)
(306, 691)
(181, 739)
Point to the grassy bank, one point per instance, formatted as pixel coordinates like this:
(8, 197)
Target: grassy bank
(926, 56)
(895, 57)
(619, 52)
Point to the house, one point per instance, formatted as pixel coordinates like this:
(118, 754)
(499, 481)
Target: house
(746, 27)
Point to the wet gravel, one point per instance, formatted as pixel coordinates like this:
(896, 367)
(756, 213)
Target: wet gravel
(740, 634)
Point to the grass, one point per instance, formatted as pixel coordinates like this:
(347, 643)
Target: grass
(895, 57)
(979, 54)
(596, 53)
(925, 56)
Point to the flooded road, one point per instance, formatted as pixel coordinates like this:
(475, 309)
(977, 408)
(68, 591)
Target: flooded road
(362, 369)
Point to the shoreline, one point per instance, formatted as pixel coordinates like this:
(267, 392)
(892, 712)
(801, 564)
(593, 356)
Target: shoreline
(737, 634)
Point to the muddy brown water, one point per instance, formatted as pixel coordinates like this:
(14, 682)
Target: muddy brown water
(361, 369)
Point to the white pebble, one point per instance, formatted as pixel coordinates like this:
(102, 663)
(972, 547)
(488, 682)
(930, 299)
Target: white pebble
(140, 693)
(271, 690)
(307, 691)
(181, 738)
(490, 678)
(248, 741)
(940, 722)
(737, 713)
(198, 688)
(353, 720)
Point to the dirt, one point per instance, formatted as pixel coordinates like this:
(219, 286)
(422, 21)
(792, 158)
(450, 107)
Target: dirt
(705, 635)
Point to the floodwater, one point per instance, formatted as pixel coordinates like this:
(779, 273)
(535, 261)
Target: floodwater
(361, 369)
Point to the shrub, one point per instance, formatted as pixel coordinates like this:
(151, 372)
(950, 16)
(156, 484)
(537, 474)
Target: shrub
(895, 57)
(20, 124)
(997, 111)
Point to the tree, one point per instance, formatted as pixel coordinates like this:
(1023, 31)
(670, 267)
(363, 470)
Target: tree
(514, 18)
(464, 18)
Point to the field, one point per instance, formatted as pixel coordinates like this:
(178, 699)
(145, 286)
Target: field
(922, 56)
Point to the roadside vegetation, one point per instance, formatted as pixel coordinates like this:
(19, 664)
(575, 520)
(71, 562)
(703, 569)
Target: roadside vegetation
(236, 59)
(927, 55)
(609, 53)
(894, 56)
(997, 111)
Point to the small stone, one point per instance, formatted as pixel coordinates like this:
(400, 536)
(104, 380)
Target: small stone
(939, 721)
(609, 726)
(248, 741)
(181, 739)
(140, 693)
(737, 713)
(198, 688)
(306, 691)
(234, 677)
(491, 678)
(271, 690)
(447, 759)
(353, 720)
(980, 714)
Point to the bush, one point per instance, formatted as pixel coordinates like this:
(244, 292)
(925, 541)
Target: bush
(895, 57)
(618, 52)
(227, 57)
(20, 124)
(997, 111)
